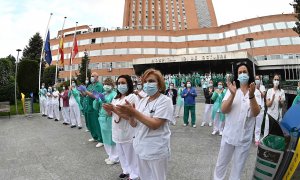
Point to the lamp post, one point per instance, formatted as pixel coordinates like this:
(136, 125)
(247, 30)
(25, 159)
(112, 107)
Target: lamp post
(250, 40)
(17, 61)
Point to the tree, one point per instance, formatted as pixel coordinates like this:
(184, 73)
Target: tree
(82, 71)
(33, 50)
(296, 6)
(7, 80)
(49, 75)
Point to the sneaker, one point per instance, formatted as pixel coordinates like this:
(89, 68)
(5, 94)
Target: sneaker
(202, 124)
(122, 176)
(107, 159)
(210, 124)
(56, 120)
(194, 126)
(73, 126)
(87, 130)
(184, 124)
(99, 145)
(92, 140)
(109, 162)
(173, 123)
(220, 133)
(79, 127)
(214, 132)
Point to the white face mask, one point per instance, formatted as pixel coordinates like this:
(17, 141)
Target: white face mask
(171, 87)
(92, 79)
(188, 85)
(43, 87)
(276, 83)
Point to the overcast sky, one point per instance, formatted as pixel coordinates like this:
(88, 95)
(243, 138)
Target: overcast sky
(21, 19)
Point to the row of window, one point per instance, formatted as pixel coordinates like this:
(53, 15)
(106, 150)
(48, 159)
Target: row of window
(193, 50)
(197, 37)
(101, 65)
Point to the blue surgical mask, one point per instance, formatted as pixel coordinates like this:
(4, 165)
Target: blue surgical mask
(257, 82)
(243, 78)
(220, 87)
(107, 88)
(122, 88)
(150, 88)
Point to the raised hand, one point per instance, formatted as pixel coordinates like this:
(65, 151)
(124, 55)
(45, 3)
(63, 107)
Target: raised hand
(231, 87)
(251, 89)
(108, 107)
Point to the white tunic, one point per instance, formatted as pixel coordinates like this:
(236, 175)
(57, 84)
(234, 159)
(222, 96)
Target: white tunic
(275, 111)
(154, 144)
(239, 123)
(123, 132)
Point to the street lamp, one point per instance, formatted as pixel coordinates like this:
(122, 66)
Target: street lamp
(16, 103)
(250, 40)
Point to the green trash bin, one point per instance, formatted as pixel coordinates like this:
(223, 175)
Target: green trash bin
(269, 156)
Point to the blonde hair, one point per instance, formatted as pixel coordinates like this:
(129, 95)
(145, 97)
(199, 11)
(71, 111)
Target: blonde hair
(160, 79)
(109, 82)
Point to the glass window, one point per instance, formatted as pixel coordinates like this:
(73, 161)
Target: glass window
(84, 42)
(149, 50)
(121, 39)
(135, 51)
(163, 51)
(163, 38)
(105, 65)
(107, 52)
(275, 56)
(198, 50)
(120, 51)
(197, 37)
(67, 44)
(291, 24)
(217, 49)
(108, 39)
(296, 40)
(173, 51)
(285, 41)
(213, 36)
(268, 27)
(135, 38)
(230, 33)
(95, 53)
(280, 25)
(256, 28)
(232, 47)
(272, 42)
(181, 51)
(149, 38)
(178, 39)
(221, 35)
(98, 40)
(242, 31)
(54, 47)
(285, 56)
(259, 43)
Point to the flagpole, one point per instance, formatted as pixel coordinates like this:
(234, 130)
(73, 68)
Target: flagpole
(61, 34)
(42, 53)
(72, 55)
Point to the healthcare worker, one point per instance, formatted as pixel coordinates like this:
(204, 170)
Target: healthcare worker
(259, 119)
(189, 94)
(92, 114)
(274, 100)
(217, 116)
(208, 92)
(75, 106)
(43, 100)
(49, 103)
(297, 98)
(65, 109)
(122, 132)
(240, 105)
(180, 100)
(151, 119)
(55, 104)
(139, 91)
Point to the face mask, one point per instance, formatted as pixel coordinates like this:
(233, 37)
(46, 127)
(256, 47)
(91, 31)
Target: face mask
(139, 87)
(64, 88)
(171, 87)
(243, 78)
(182, 85)
(73, 84)
(86, 81)
(122, 88)
(257, 82)
(276, 83)
(188, 85)
(49, 90)
(210, 85)
(43, 87)
(92, 79)
(220, 87)
(150, 88)
(106, 88)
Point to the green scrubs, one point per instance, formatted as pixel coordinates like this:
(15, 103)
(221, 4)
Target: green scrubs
(84, 104)
(218, 98)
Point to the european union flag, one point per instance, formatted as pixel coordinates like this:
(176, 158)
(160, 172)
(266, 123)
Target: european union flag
(48, 56)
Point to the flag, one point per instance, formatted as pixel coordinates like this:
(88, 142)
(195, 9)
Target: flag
(47, 50)
(75, 48)
(61, 50)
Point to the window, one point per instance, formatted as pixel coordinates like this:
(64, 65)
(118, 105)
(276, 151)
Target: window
(98, 40)
(272, 42)
(256, 28)
(149, 38)
(296, 40)
(178, 39)
(163, 38)
(245, 45)
(291, 24)
(107, 52)
(285, 41)
(268, 27)
(93, 41)
(217, 49)
(198, 50)
(108, 39)
(242, 31)
(95, 53)
(213, 36)
(280, 25)
(135, 38)
(259, 43)
(84, 42)
(232, 47)
(121, 39)
(230, 33)
(120, 51)
(197, 37)
(163, 51)
(181, 51)
(135, 51)
(149, 50)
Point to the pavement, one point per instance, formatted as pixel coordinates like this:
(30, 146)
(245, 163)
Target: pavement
(39, 148)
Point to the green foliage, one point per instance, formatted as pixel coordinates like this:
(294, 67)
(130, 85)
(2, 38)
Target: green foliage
(34, 48)
(49, 76)
(82, 71)
(7, 84)
(28, 77)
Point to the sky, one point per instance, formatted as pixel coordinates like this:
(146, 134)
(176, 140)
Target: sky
(21, 19)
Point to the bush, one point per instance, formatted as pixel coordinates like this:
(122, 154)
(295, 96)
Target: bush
(28, 77)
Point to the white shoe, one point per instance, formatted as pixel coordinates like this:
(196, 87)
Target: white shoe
(99, 145)
(184, 124)
(194, 126)
(109, 162)
(214, 132)
(92, 140)
(220, 133)
(87, 130)
(210, 124)
(202, 124)
(107, 159)
(174, 123)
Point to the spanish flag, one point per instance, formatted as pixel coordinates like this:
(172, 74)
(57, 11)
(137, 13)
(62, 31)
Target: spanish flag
(61, 50)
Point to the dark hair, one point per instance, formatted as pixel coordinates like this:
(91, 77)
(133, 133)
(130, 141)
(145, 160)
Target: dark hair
(250, 73)
(129, 85)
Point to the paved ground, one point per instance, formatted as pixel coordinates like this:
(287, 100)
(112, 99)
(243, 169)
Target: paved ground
(38, 148)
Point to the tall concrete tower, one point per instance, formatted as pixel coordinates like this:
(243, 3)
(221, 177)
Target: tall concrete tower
(169, 14)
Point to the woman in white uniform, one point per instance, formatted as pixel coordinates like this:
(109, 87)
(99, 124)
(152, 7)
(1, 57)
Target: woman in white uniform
(240, 105)
(75, 106)
(55, 104)
(150, 118)
(49, 103)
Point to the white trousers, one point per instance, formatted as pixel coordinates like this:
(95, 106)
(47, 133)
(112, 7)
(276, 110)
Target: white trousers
(179, 109)
(153, 169)
(207, 113)
(258, 122)
(75, 114)
(218, 125)
(65, 111)
(56, 114)
(50, 109)
(128, 159)
(227, 151)
(266, 130)
(112, 152)
(43, 105)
